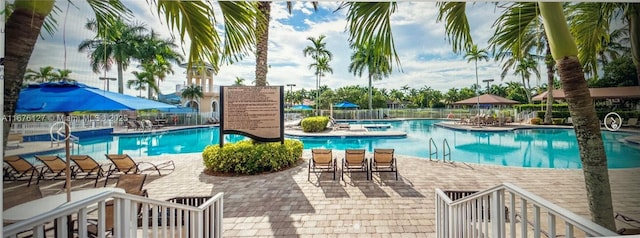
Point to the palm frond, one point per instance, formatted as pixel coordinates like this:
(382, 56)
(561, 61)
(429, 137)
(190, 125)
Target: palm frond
(107, 12)
(456, 25)
(240, 23)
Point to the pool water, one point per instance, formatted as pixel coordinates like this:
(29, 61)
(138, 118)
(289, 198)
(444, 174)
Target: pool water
(540, 148)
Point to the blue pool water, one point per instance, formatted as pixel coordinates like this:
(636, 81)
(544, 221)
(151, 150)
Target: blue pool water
(540, 148)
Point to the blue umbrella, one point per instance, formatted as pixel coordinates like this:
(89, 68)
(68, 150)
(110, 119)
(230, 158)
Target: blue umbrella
(345, 104)
(66, 97)
(301, 107)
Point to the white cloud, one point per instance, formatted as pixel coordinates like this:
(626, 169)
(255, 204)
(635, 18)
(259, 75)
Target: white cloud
(425, 54)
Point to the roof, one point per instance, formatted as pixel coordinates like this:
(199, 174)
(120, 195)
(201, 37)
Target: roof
(486, 99)
(598, 93)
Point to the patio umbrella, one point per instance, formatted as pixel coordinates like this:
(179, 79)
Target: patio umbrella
(67, 97)
(301, 107)
(345, 104)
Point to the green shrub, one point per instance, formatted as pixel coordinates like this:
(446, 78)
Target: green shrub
(249, 157)
(535, 121)
(314, 124)
(542, 106)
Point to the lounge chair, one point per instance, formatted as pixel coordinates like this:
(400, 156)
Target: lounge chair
(54, 166)
(148, 124)
(383, 162)
(355, 161)
(132, 125)
(87, 166)
(133, 184)
(123, 164)
(628, 220)
(15, 139)
(19, 167)
(322, 161)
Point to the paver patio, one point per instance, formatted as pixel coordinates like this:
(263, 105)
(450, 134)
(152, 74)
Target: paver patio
(286, 204)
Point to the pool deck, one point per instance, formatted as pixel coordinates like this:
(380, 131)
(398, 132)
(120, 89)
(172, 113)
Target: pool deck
(287, 204)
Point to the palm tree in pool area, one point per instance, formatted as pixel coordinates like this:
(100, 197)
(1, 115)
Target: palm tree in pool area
(321, 67)
(117, 45)
(318, 50)
(192, 94)
(143, 81)
(45, 74)
(476, 54)
(524, 69)
(238, 82)
(190, 19)
(581, 107)
(367, 58)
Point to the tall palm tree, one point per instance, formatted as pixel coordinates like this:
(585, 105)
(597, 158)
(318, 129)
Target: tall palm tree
(117, 45)
(317, 51)
(262, 39)
(190, 19)
(581, 107)
(368, 58)
(476, 54)
(191, 94)
(321, 66)
(143, 81)
(156, 56)
(154, 69)
(524, 69)
(46, 74)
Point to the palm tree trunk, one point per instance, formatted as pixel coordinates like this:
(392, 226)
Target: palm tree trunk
(634, 35)
(120, 79)
(370, 94)
(583, 113)
(526, 89)
(262, 44)
(23, 26)
(548, 60)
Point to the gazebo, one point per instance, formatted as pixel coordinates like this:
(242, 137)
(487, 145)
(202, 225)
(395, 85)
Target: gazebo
(487, 99)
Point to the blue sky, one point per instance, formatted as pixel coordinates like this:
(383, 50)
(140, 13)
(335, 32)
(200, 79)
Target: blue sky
(426, 56)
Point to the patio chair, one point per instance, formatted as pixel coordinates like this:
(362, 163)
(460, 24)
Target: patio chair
(148, 124)
(132, 125)
(54, 166)
(631, 122)
(123, 164)
(383, 162)
(19, 167)
(88, 166)
(322, 161)
(133, 184)
(355, 162)
(628, 220)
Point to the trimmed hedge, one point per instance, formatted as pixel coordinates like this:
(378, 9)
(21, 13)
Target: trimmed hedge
(543, 106)
(249, 157)
(314, 124)
(601, 114)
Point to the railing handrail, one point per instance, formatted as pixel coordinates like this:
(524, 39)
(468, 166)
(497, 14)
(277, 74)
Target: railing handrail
(432, 142)
(445, 146)
(70, 208)
(582, 223)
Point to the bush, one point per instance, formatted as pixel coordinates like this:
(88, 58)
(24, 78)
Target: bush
(314, 124)
(249, 157)
(535, 121)
(542, 106)
(557, 121)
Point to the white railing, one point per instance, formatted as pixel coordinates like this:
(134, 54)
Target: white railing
(134, 216)
(507, 211)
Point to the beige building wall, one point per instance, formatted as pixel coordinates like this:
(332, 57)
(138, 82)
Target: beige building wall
(203, 76)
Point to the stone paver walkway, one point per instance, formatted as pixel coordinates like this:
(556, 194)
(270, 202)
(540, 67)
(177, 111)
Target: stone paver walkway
(286, 204)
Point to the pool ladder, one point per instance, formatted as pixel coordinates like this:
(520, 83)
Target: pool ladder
(433, 150)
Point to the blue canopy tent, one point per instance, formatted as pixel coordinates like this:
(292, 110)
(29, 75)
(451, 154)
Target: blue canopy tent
(67, 97)
(345, 104)
(301, 107)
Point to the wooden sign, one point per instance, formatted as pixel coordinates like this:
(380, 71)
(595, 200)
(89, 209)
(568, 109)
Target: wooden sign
(255, 112)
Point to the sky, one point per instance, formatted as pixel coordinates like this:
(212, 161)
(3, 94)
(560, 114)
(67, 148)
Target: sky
(426, 56)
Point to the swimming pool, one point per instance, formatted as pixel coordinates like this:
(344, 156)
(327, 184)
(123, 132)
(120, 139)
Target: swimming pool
(541, 148)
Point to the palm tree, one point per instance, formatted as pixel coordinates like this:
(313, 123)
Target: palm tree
(476, 54)
(192, 93)
(368, 57)
(524, 69)
(117, 45)
(158, 69)
(318, 50)
(239, 82)
(190, 19)
(62, 75)
(143, 80)
(581, 107)
(156, 56)
(46, 74)
(321, 66)
(262, 39)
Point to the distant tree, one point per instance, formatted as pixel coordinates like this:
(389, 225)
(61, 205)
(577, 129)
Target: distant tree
(619, 72)
(238, 82)
(191, 94)
(46, 74)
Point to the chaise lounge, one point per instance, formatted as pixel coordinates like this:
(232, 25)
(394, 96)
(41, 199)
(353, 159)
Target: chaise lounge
(322, 161)
(384, 162)
(355, 162)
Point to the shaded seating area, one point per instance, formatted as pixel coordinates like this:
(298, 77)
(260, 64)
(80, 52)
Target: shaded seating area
(54, 167)
(383, 161)
(322, 161)
(355, 162)
(88, 167)
(19, 168)
(124, 164)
